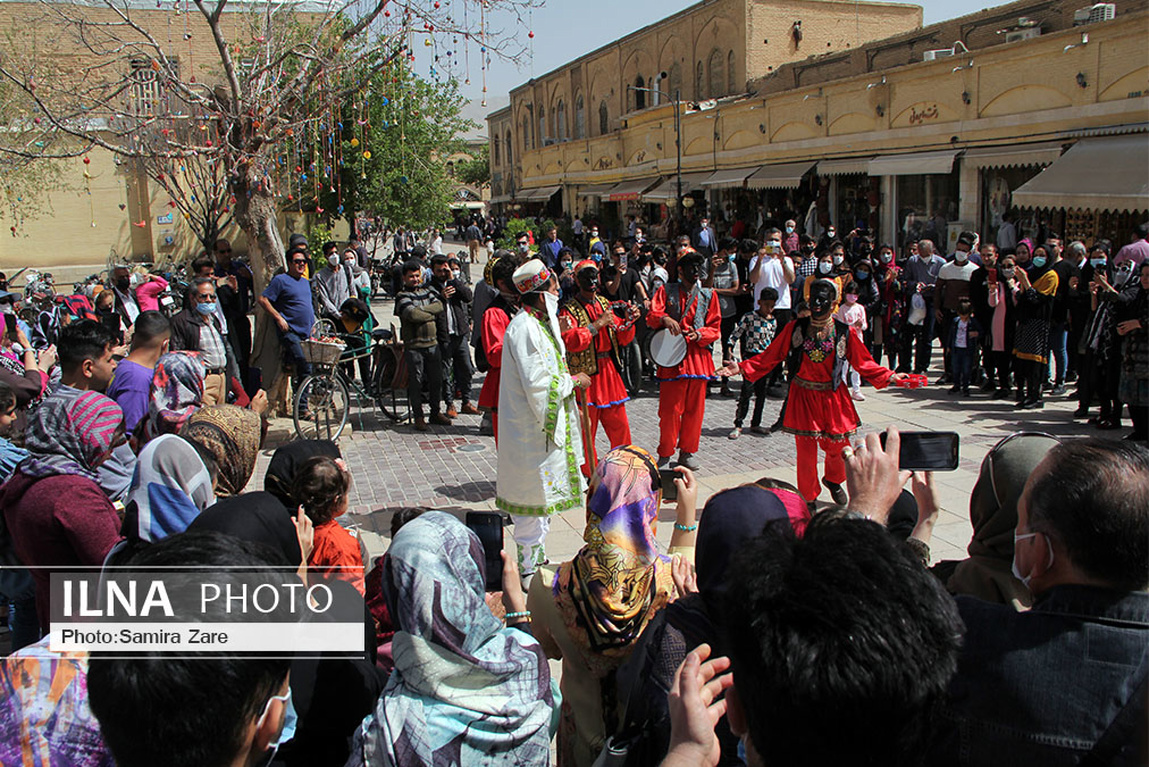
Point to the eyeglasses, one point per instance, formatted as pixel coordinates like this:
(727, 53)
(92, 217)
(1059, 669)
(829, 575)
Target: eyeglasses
(223, 250)
(299, 260)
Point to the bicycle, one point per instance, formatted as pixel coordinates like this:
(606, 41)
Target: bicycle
(322, 405)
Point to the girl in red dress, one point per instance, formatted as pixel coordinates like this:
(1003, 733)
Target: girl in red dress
(819, 409)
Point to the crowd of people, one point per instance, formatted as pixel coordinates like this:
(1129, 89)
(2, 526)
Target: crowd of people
(767, 614)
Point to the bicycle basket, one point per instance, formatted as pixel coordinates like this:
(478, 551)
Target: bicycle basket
(321, 352)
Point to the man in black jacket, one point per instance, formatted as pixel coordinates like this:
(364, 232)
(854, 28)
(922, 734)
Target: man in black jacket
(453, 327)
(197, 329)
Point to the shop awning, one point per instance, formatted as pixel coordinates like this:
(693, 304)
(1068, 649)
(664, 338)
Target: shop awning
(541, 194)
(594, 190)
(668, 188)
(629, 190)
(1013, 156)
(786, 175)
(499, 199)
(916, 164)
(731, 178)
(470, 205)
(846, 167)
(1095, 174)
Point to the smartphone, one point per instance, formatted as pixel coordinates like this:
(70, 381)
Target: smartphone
(927, 450)
(10, 326)
(488, 525)
(669, 489)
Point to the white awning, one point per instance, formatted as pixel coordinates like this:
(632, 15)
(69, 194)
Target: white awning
(469, 205)
(541, 194)
(1095, 174)
(629, 190)
(668, 188)
(787, 175)
(845, 167)
(916, 164)
(731, 178)
(1013, 156)
(594, 190)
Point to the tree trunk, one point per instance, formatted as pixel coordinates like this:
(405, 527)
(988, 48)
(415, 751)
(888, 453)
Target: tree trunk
(256, 213)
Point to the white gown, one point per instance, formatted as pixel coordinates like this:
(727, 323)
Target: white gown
(540, 443)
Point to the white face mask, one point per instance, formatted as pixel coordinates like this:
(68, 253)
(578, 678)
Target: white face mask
(961, 257)
(1025, 579)
(837, 260)
(551, 301)
(823, 267)
(774, 246)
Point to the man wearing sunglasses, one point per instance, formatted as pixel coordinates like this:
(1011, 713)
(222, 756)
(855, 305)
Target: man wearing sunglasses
(287, 299)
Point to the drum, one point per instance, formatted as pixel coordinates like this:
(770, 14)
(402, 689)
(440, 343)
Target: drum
(667, 350)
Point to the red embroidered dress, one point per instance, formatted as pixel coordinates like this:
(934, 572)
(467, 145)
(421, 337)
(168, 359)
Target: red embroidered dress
(606, 386)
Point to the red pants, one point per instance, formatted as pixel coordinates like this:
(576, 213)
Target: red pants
(808, 483)
(681, 404)
(614, 423)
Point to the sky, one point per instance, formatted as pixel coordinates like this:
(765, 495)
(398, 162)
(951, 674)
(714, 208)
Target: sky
(566, 29)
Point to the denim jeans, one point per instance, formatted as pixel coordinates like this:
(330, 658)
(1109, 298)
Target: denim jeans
(293, 355)
(1058, 333)
(961, 360)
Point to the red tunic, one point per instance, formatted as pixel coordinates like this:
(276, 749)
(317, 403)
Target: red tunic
(606, 387)
(699, 362)
(495, 322)
(825, 414)
(335, 554)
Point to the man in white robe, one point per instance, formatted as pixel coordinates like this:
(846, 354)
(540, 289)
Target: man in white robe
(540, 443)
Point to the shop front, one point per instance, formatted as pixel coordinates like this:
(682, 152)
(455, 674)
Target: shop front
(1000, 171)
(925, 189)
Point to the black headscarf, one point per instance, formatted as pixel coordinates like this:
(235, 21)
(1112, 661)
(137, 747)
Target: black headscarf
(286, 460)
(258, 517)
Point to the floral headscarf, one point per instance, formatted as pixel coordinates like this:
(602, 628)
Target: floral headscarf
(465, 690)
(618, 580)
(71, 433)
(176, 393)
(232, 435)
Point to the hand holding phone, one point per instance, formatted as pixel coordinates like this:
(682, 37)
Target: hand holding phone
(669, 489)
(927, 450)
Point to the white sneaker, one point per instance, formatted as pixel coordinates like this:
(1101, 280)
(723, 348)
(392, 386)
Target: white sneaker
(735, 433)
(857, 395)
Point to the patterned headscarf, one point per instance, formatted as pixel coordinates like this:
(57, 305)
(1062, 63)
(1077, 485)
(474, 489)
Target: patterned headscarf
(170, 488)
(465, 689)
(618, 580)
(176, 393)
(70, 433)
(232, 435)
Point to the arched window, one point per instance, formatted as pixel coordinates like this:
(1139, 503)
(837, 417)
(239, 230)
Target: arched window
(698, 82)
(527, 144)
(639, 95)
(580, 118)
(507, 148)
(542, 126)
(561, 121)
(603, 119)
(717, 74)
(731, 74)
(495, 150)
(675, 79)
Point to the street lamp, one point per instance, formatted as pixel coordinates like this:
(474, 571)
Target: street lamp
(677, 138)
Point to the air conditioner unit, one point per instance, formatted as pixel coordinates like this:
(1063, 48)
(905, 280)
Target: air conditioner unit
(1094, 13)
(1018, 35)
(939, 53)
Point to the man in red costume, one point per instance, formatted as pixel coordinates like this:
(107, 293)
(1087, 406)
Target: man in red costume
(819, 410)
(688, 309)
(496, 318)
(593, 320)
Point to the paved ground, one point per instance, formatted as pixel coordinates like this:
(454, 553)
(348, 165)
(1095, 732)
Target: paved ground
(453, 468)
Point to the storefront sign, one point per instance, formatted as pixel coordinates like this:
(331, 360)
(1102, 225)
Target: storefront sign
(926, 113)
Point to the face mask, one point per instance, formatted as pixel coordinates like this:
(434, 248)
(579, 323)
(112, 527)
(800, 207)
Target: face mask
(961, 257)
(789, 230)
(830, 233)
(290, 721)
(524, 247)
(1039, 261)
(774, 246)
(566, 266)
(1007, 272)
(552, 303)
(837, 260)
(887, 258)
(1098, 263)
(208, 308)
(851, 298)
(807, 249)
(862, 275)
(123, 284)
(349, 263)
(1013, 566)
(824, 267)
(730, 258)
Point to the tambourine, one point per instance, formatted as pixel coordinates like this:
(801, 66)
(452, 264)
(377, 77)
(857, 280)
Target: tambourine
(627, 324)
(914, 381)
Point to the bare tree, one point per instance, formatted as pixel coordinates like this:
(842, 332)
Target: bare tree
(215, 133)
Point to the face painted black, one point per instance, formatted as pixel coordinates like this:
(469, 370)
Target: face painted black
(587, 278)
(821, 300)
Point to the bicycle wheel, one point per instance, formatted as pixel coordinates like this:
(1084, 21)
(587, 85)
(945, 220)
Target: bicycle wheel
(321, 407)
(393, 402)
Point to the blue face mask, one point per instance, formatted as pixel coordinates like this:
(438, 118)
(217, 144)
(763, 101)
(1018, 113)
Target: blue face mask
(862, 275)
(1039, 262)
(1098, 263)
(290, 721)
(205, 309)
(730, 258)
